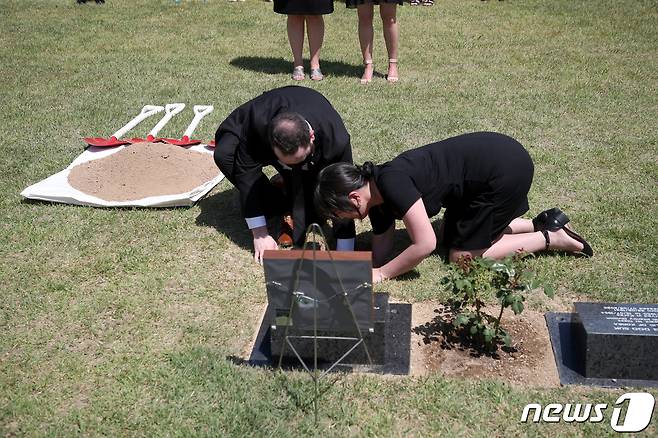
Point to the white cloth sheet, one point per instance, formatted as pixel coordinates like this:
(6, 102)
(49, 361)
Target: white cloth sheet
(56, 188)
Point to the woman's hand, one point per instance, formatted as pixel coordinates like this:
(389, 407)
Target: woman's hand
(377, 276)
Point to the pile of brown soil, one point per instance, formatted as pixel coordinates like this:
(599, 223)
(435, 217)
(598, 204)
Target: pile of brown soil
(530, 363)
(142, 170)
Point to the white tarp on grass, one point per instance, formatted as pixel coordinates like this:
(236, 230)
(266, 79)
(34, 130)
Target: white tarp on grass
(56, 188)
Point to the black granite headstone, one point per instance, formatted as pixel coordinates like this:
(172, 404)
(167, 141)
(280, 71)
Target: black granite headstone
(606, 344)
(618, 340)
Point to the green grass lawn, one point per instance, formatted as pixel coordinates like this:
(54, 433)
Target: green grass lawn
(124, 322)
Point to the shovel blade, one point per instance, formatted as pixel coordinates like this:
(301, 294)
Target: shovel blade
(185, 141)
(104, 142)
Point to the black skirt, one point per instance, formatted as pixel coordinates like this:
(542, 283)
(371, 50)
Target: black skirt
(354, 3)
(483, 214)
(303, 7)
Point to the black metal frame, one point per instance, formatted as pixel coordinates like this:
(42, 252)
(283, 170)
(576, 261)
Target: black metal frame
(314, 230)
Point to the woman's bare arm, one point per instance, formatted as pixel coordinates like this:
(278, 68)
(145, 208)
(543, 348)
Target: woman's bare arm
(423, 242)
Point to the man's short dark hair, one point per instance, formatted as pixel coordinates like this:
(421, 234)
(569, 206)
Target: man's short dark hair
(288, 132)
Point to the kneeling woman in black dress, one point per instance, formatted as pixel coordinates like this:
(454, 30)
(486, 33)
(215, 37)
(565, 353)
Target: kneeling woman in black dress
(482, 179)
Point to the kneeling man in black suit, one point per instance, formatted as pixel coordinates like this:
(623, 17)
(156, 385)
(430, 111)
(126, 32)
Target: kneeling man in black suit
(298, 132)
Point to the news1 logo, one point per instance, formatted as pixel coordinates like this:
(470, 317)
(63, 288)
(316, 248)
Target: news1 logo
(638, 412)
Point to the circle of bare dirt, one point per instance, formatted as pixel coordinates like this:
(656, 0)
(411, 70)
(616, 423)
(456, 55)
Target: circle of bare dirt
(529, 363)
(142, 170)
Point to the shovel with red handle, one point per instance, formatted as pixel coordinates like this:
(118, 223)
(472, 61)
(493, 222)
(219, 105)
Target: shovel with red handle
(147, 112)
(200, 111)
(171, 109)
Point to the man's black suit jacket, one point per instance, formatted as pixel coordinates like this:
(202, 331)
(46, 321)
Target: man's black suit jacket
(243, 149)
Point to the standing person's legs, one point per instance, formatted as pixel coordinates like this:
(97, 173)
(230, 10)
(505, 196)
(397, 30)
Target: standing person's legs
(315, 31)
(296, 39)
(387, 11)
(365, 13)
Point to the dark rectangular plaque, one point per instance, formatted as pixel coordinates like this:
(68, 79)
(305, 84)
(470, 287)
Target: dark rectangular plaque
(322, 284)
(618, 340)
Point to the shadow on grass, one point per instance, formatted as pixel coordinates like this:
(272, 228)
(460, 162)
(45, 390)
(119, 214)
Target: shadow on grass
(270, 65)
(300, 392)
(401, 241)
(222, 212)
(408, 276)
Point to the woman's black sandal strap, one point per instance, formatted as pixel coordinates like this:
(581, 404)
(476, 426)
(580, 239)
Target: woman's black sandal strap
(546, 238)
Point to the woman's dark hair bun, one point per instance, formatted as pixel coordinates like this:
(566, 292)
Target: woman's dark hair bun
(367, 170)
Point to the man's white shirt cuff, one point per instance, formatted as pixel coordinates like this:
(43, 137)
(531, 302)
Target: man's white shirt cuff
(345, 244)
(256, 222)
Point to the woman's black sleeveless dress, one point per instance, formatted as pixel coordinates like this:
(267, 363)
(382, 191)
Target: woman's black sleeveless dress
(482, 179)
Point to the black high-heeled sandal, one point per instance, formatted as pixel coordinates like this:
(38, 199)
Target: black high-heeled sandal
(551, 220)
(585, 252)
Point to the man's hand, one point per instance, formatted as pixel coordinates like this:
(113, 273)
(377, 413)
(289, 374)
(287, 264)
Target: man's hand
(262, 242)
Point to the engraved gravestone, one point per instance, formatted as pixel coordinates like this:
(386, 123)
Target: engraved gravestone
(617, 341)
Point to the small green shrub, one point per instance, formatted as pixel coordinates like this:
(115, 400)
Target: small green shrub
(472, 279)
